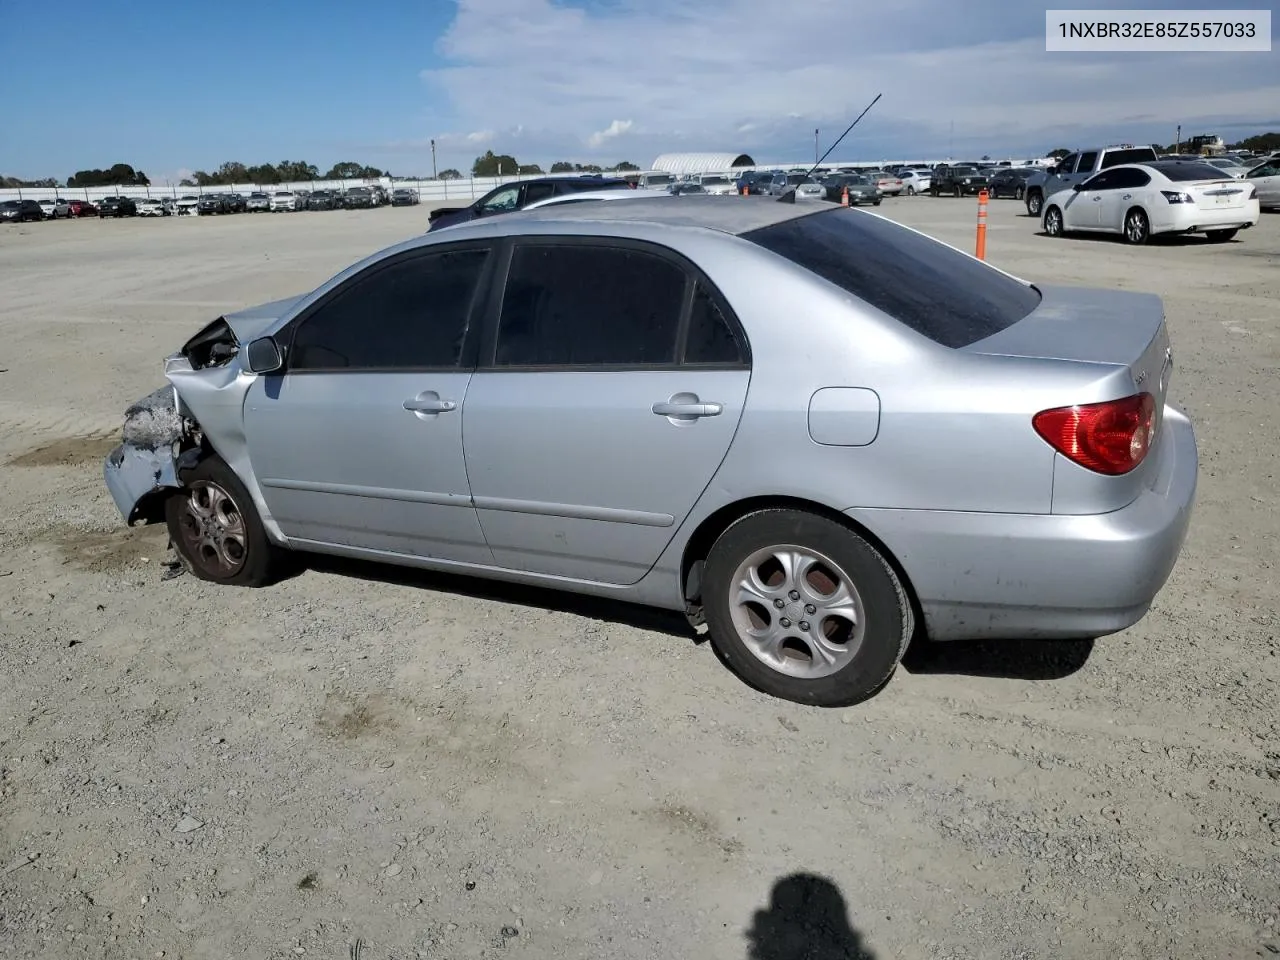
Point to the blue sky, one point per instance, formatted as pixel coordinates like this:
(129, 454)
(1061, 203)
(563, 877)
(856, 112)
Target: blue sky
(187, 86)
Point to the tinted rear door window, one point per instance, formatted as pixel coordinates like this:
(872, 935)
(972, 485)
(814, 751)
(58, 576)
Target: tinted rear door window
(934, 289)
(589, 305)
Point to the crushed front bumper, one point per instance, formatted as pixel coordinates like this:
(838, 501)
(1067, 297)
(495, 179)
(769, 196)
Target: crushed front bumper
(146, 462)
(134, 473)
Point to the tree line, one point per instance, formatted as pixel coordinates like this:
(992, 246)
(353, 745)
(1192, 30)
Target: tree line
(504, 165)
(286, 171)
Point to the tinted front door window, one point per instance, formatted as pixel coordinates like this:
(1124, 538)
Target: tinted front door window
(411, 315)
(575, 306)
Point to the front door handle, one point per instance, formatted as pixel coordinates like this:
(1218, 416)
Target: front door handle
(687, 406)
(429, 402)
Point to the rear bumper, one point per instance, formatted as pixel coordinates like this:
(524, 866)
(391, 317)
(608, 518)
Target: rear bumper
(1046, 576)
(1194, 219)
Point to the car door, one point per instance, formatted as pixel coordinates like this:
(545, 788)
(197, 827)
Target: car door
(1126, 189)
(1082, 208)
(608, 393)
(1266, 179)
(358, 441)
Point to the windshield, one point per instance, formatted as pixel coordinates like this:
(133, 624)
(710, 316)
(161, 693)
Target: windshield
(797, 178)
(930, 287)
(1186, 170)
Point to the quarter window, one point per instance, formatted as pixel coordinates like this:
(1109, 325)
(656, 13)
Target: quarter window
(710, 338)
(409, 315)
(589, 305)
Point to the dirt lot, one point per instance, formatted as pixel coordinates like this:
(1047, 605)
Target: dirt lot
(443, 769)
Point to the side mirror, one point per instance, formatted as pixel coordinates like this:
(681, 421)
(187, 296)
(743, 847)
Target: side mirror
(263, 356)
(1077, 187)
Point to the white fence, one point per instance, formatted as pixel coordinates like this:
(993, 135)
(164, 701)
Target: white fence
(436, 192)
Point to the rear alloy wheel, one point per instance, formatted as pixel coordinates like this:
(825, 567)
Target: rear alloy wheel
(911, 191)
(1137, 228)
(1220, 236)
(1053, 225)
(1018, 193)
(1035, 203)
(804, 609)
(216, 531)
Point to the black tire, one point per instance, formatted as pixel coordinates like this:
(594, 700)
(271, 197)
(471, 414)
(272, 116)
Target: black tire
(1054, 223)
(216, 530)
(1035, 202)
(933, 191)
(959, 192)
(1018, 193)
(886, 621)
(1137, 228)
(1221, 236)
(875, 203)
(911, 191)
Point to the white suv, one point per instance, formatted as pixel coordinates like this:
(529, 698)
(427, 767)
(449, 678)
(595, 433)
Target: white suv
(284, 201)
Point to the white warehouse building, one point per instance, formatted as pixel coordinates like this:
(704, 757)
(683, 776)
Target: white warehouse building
(682, 164)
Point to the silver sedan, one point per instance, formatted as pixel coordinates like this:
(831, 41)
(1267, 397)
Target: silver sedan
(817, 431)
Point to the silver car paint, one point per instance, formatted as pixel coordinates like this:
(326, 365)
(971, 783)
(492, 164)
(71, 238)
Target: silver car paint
(955, 484)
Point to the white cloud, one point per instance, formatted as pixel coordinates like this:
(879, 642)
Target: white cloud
(615, 129)
(730, 75)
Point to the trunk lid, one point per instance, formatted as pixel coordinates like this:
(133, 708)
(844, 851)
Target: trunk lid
(1114, 327)
(1121, 343)
(1223, 194)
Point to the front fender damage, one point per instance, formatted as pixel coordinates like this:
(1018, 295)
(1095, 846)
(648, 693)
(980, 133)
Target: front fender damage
(147, 465)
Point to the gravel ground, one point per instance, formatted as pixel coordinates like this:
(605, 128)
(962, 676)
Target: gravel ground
(367, 761)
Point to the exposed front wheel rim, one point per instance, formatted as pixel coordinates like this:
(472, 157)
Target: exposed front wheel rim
(213, 530)
(1135, 227)
(1053, 223)
(797, 611)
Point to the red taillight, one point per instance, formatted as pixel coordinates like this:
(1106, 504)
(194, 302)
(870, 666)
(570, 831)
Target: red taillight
(1110, 438)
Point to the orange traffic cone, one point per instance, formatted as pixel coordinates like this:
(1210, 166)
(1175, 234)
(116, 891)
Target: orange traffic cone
(745, 190)
(844, 196)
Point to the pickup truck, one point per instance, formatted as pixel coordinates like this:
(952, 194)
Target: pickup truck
(1078, 167)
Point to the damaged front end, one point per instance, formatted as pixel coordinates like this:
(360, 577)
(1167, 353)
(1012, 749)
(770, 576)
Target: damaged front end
(171, 430)
(157, 444)
(161, 440)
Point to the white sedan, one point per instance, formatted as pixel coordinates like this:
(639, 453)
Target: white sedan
(915, 181)
(152, 207)
(1140, 200)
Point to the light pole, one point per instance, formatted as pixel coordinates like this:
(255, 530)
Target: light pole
(1177, 147)
(815, 146)
(433, 160)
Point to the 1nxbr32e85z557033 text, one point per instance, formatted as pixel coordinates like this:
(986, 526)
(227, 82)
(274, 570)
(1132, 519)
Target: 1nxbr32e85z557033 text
(1153, 31)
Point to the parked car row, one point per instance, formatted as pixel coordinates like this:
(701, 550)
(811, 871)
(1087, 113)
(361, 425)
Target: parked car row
(206, 204)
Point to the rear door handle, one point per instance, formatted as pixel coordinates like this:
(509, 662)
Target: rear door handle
(680, 408)
(429, 402)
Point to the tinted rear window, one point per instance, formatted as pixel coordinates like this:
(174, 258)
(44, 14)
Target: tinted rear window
(935, 290)
(1186, 170)
(1113, 158)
